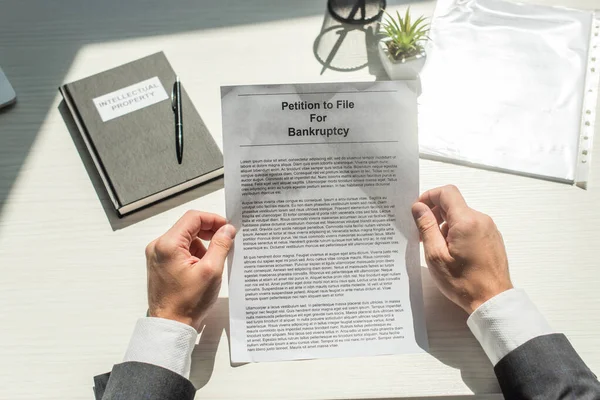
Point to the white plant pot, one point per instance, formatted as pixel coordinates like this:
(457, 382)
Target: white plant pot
(408, 68)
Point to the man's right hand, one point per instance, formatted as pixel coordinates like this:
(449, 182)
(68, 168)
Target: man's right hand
(184, 277)
(463, 248)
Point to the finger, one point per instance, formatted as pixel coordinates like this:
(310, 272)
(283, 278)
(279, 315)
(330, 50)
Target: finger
(444, 229)
(437, 211)
(197, 248)
(444, 215)
(192, 223)
(447, 198)
(205, 235)
(219, 247)
(436, 249)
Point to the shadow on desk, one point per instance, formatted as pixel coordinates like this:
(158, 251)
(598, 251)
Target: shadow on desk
(344, 47)
(115, 221)
(62, 29)
(451, 342)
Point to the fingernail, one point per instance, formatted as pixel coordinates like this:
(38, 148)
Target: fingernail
(229, 231)
(418, 212)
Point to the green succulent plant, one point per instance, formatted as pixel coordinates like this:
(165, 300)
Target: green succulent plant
(405, 36)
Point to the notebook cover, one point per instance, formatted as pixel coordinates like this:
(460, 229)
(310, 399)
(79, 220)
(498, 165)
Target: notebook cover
(137, 150)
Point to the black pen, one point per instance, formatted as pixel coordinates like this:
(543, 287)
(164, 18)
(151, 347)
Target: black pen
(178, 110)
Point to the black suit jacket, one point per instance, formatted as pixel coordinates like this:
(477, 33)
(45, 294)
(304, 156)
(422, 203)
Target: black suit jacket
(136, 380)
(544, 368)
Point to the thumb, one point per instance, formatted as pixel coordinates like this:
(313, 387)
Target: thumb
(219, 246)
(433, 241)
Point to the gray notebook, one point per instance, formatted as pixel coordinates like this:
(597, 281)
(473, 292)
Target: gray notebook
(126, 120)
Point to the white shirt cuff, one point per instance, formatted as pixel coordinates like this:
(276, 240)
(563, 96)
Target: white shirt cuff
(505, 322)
(163, 342)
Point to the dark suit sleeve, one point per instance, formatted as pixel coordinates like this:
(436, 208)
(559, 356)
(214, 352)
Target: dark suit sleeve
(548, 368)
(136, 380)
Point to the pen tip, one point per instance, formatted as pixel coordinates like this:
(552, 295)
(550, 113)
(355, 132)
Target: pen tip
(177, 77)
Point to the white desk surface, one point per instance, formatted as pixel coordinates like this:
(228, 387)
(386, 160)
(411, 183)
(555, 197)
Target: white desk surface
(73, 279)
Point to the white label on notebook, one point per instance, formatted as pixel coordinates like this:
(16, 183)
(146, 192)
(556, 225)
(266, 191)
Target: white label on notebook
(130, 99)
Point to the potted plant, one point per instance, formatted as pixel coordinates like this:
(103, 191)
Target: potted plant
(401, 50)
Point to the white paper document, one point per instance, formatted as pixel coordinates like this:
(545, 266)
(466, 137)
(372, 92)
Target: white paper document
(319, 182)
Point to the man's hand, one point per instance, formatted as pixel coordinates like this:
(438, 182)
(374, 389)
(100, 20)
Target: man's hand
(184, 277)
(463, 248)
